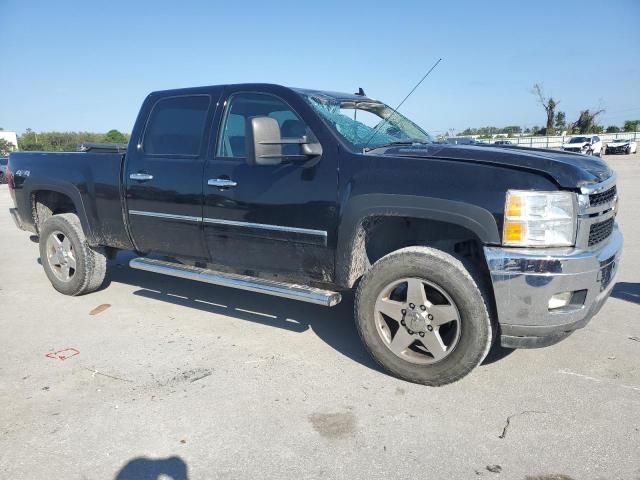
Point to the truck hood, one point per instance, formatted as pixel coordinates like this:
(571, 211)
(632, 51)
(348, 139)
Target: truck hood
(568, 170)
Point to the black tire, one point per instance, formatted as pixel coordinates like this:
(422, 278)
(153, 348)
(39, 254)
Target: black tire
(465, 289)
(90, 263)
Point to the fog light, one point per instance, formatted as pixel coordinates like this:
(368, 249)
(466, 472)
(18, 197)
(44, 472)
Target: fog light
(560, 300)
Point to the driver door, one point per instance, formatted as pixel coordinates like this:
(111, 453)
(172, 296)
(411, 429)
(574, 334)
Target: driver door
(275, 219)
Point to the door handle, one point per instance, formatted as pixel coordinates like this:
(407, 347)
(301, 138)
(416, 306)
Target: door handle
(141, 177)
(221, 182)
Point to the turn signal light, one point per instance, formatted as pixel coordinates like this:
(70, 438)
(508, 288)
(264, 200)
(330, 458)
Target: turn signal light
(514, 206)
(514, 231)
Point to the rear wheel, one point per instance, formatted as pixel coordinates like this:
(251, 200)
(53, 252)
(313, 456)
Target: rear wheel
(72, 266)
(423, 316)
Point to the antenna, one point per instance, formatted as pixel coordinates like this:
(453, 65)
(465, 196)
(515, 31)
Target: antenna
(395, 110)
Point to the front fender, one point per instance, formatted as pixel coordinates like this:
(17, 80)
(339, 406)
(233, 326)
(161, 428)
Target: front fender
(351, 234)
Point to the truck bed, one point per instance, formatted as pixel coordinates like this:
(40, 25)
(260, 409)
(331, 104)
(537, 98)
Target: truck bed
(91, 179)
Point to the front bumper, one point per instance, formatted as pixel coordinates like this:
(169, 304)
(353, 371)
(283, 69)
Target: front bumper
(613, 150)
(524, 280)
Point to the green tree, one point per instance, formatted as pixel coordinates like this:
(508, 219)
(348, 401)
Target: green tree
(114, 136)
(561, 121)
(586, 122)
(631, 125)
(6, 147)
(29, 141)
(612, 129)
(511, 130)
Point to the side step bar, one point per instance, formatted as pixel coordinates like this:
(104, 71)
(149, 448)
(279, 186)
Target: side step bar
(242, 282)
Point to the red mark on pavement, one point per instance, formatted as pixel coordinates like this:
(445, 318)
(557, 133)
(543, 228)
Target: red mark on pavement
(64, 354)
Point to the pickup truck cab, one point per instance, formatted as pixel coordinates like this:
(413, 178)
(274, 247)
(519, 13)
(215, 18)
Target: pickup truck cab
(307, 194)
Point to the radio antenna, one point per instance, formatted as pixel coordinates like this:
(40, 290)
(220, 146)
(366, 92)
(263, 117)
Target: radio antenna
(395, 110)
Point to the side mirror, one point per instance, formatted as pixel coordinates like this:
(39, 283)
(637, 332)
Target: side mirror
(262, 137)
(264, 143)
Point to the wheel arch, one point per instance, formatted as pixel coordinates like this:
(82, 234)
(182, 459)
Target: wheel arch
(454, 219)
(59, 199)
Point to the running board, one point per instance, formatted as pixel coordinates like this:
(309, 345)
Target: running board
(242, 282)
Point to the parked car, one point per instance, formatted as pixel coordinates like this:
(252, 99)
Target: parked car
(3, 169)
(621, 146)
(461, 141)
(503, 142)
(589, 145)
(284, 192)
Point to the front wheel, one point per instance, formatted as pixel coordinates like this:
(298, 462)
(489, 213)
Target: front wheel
(72, 266)
(423, 316)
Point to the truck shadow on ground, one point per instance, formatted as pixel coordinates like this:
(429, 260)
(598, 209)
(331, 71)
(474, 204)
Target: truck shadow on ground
(143, 468)
(334, 325)
(627, 291)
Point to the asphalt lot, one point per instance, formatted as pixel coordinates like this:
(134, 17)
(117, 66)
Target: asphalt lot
(200, 382)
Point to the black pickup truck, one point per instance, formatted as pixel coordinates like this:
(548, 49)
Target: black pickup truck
(306, 194)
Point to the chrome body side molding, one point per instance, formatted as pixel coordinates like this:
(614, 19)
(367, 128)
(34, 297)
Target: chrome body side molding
(167, 216)
(263, 226)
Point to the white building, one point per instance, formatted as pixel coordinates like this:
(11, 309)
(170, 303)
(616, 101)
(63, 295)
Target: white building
(10, 137)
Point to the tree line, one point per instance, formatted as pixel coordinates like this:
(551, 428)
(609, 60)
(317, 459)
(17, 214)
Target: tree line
(559, 127)
(66, 141)
(60, 141)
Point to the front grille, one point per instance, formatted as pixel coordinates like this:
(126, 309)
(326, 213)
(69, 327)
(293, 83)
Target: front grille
(572, 149)
(600, 231)
(601, 198)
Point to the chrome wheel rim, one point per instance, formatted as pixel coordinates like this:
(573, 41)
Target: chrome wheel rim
(61, 256)
(417, 320)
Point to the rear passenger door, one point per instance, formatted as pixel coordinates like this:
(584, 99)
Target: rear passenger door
(163, 176)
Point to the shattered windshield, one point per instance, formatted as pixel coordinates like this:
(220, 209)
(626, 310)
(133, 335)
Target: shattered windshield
(362, 123)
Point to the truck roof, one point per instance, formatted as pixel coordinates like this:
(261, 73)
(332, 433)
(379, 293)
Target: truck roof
(265, 86)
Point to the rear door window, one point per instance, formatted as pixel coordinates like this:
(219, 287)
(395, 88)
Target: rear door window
(176, 126)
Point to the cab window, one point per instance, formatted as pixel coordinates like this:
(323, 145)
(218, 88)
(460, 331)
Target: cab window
(176, 126)
(242, 106)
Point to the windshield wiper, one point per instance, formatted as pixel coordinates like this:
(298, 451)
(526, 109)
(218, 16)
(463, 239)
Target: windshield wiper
(392, 144)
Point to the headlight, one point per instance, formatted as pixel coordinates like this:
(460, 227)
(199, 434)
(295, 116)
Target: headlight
(539, 219)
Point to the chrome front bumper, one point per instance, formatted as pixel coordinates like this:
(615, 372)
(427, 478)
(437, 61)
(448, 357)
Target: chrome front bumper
(524, 280)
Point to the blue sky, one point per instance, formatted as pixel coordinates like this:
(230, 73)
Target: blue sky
(87, 65)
